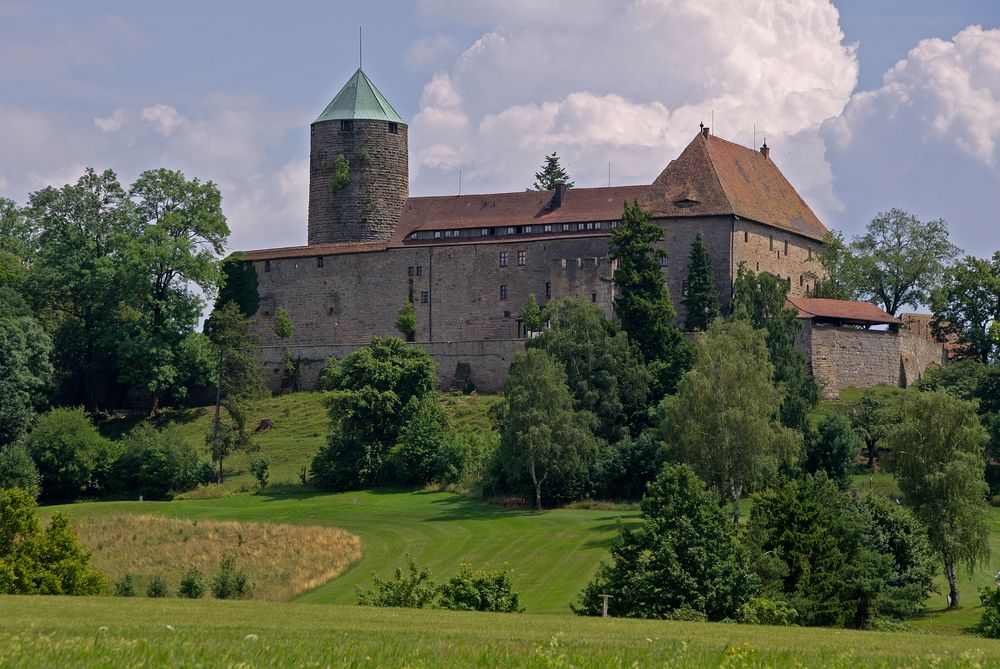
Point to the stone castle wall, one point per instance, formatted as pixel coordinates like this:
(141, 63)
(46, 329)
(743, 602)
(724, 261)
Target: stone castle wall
(368, 207)
(853, 358)
(766, 249)
(489, 361)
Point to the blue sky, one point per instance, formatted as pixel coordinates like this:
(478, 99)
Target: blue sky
(866, 104)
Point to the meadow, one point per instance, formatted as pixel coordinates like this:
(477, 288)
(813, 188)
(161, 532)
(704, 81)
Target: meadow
(42, 632)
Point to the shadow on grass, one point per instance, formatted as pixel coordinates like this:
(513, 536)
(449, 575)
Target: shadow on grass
(459, 507)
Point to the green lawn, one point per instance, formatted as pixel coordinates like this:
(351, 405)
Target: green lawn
(552, 554)
(65, 633)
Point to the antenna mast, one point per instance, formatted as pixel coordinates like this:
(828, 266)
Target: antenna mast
(460, 181)
(359, 48)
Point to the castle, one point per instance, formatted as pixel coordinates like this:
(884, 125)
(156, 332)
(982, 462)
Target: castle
(470, 262)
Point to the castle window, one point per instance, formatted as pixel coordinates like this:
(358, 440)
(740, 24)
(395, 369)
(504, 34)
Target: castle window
(410, 271)
(506, 314)
(319, 262)
(565, 227)
(267, 265)
(593, 297)
(437, 234)
(810, 253)
(425, 297)
(746, 236)
(346, 126)
(664, 261)
(758, 266)
(503, 259)
(770, 243)
(420, 270)
(801, 281)
(547, 228)
(393, 128)
(527, 229)
(484, 231)
(522, 258)
(503, 292)
(510, 231)
(786, 247)
(548, 290)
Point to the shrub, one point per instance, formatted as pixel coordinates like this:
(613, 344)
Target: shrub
(125, 586)
(192, 585)
(411, 589)
(18, 470)
(688, 614)
(72, 457)
(260, 467)
(230, 583)
(157, 587)
(34, 561)
(765, 611)
(156, 464)
(989, 624)
(417, 458)
(480, 591)
(834, 450)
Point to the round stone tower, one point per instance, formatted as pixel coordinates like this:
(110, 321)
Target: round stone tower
(358, 169)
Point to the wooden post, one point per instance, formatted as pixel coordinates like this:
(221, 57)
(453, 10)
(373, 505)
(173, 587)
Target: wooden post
(604, 610)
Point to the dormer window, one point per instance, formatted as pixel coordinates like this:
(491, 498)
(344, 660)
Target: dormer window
(685, 203)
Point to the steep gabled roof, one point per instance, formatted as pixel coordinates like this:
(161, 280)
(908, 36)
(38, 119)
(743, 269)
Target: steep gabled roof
(359, 99)
(715, 177)
(455, 212)
(863, 313)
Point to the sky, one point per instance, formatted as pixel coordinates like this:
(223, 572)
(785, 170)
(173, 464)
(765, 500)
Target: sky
(866, 104)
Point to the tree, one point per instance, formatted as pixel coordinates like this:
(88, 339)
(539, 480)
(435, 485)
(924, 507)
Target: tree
(239, 285)
(723, 421)
(938, 460)
(34, 561)
(701, 299)
(417, 457)
(967, 303)
(762, 299)
(838, 279)
(85, 235)
(72, 456)
(551, 172)
(834, 449)
(374, 393)
(18, 470)
(540, 432)
(15, 230)
(603, 372)
(238, 381)
(684, 554)
(874, 415)
(532, 315)
(283, 329)
(836, 558)
(25, 372)
(406, 320)
(643, 303)
(901, 258)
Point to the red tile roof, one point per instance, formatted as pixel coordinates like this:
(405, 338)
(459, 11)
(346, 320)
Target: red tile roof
(713, 176)
(314, 250)
(455, 212)
(854, 312)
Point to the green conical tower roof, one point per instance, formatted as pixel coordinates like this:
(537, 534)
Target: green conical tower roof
(359, 99)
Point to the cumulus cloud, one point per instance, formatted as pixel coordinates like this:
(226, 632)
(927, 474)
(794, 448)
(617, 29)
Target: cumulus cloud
(602, 82)
(111, 123)
(163, 118)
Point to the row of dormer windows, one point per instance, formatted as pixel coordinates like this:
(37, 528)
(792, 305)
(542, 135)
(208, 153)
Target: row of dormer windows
(534, 229)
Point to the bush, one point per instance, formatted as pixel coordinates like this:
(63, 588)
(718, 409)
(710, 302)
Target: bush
(989, 624)
(260, 467)
(764, 611)
(419, 457)
(834, 450)
(72, 457)
(192, 585)
(18, 470)
(688, 614)
(125, 586)
(411, 589)
(34, 561)
(157, 587)
(157, 464)
(480, 591)
(230, 583)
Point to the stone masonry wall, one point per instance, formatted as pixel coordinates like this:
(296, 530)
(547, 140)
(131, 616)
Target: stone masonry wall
(678, 236)
(489, 361)
(767, 249)
(369, 206)
(853, 358)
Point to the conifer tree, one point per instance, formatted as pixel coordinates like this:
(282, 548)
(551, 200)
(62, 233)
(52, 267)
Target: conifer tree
(643, 301)
(702, 297)
(551, 172)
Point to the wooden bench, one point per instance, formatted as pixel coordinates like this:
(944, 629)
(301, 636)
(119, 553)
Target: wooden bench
(513, 501)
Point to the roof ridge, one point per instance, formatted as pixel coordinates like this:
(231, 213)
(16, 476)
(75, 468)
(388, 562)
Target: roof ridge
(715, 172)
(525, 192)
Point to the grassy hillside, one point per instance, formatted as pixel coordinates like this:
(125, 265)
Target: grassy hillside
(42, 632)
(552, 554)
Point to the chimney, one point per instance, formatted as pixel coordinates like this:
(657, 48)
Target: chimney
(765, 150)
(560, 192)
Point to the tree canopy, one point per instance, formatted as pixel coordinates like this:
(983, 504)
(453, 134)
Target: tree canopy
(967, 303)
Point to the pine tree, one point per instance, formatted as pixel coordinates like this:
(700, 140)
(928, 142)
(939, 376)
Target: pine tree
(643, 303)
(702, 297)
(551, 172)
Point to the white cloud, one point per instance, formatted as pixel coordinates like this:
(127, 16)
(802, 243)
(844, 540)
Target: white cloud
(602, 82)
(111, 123)
(164, 118)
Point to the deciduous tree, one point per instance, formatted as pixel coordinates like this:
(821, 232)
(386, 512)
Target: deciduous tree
(967, 303)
